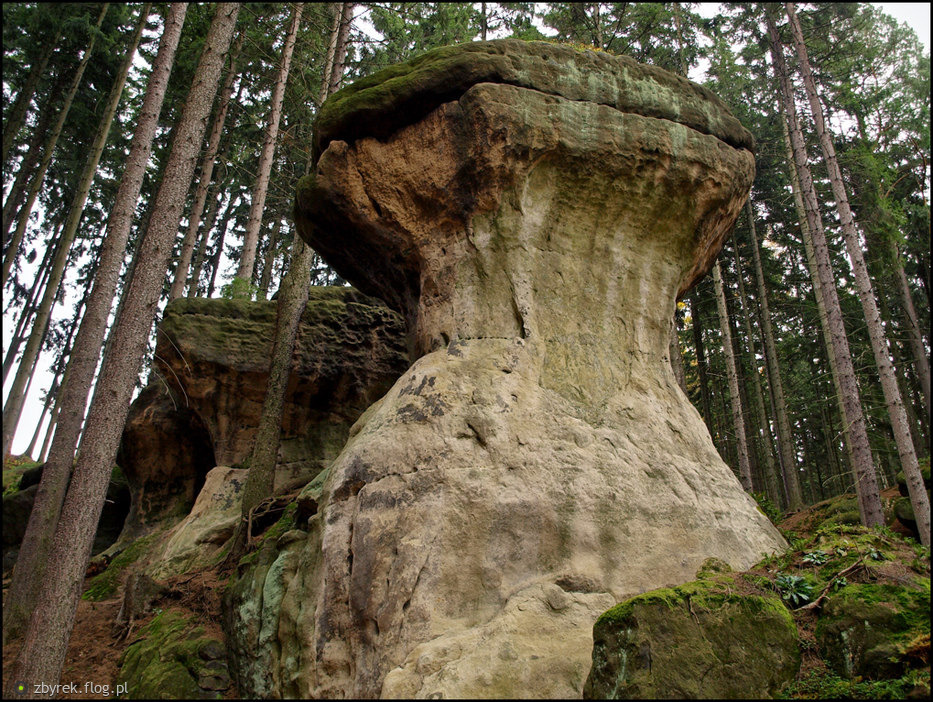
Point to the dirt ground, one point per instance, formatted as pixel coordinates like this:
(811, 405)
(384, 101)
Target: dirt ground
(93, 659)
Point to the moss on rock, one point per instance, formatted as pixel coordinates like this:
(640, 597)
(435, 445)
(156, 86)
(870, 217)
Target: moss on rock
(865, 629)
(105, 584)
(696, 640)
(173, 660)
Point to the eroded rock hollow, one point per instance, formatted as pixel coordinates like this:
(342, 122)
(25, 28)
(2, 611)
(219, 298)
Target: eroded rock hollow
(533, 211)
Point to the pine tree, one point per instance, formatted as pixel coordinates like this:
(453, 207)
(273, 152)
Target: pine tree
(12, 250)
(17, 395)
(876, 335)
(47, 633)
(865, 479)
(738, 422)
(261, 186)
(37, 540)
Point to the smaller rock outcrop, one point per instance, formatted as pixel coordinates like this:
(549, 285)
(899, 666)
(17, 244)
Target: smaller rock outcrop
(698, 640)
(211, 368)
(199, 537)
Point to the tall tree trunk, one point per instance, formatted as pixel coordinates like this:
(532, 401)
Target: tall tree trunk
(340, 53)
(31, 304)
(14, 404)
(33, 553)
(701, 359)
(292, 299)
(738, 422)
(269, 259)
(879, 342)
(47, 633)
(36, 184)
(219, 246)
(921, 363)
(787, 454)
(17, 115)
(815, 279)
(764, 426)
(207, 171)
(206, 227)
(261, 187)
(866, 481)
(212, 211)
(49, 397)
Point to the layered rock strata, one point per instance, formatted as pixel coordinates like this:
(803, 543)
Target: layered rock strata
(533, 211)
(211, 368)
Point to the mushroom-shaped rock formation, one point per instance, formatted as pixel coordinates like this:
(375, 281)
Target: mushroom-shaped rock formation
(533, 211)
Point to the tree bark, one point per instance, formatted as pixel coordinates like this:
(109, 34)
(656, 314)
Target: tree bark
(340, 53)
(745, 473)
(17, 395)
(269, 259)
(866, 481)
(701, 359)
(47, 633)
(31, 304)
(921, 363)
(33, 554)
(39, 175)
(292, 298)
(764, 426)
(261, 187)
(787, 454)
(207, 171)
(879, 342)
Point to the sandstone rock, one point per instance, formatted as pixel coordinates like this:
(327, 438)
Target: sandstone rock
(691, 642)
(862, 625)
(165, 452)
(212, 359)
(200, 536)
(534, 233)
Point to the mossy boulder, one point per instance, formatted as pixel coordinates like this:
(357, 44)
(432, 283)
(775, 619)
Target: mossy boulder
(865, 629)
(696, 640)
(174, 660)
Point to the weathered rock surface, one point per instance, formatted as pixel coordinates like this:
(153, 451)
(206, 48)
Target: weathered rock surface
(862, 626)
(198, 538)
(212, 359)
(165, 453)
(534, 232)
(697, 641)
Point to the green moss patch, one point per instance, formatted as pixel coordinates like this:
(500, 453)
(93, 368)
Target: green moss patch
(867, 636)
(105, 584)
(173, 660)
(700, 639)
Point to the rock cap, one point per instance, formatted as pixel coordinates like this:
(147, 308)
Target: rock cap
(387, 100)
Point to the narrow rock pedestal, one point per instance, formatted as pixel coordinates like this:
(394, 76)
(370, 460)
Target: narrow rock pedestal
(533, 211)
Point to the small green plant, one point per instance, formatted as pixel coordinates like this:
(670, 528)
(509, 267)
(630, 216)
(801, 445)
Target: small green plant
(875, 554)
(239, 289)
(767, 507)
(840, 583)
(816, 557)
(794, 589)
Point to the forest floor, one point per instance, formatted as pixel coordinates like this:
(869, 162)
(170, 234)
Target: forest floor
(95, 654)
